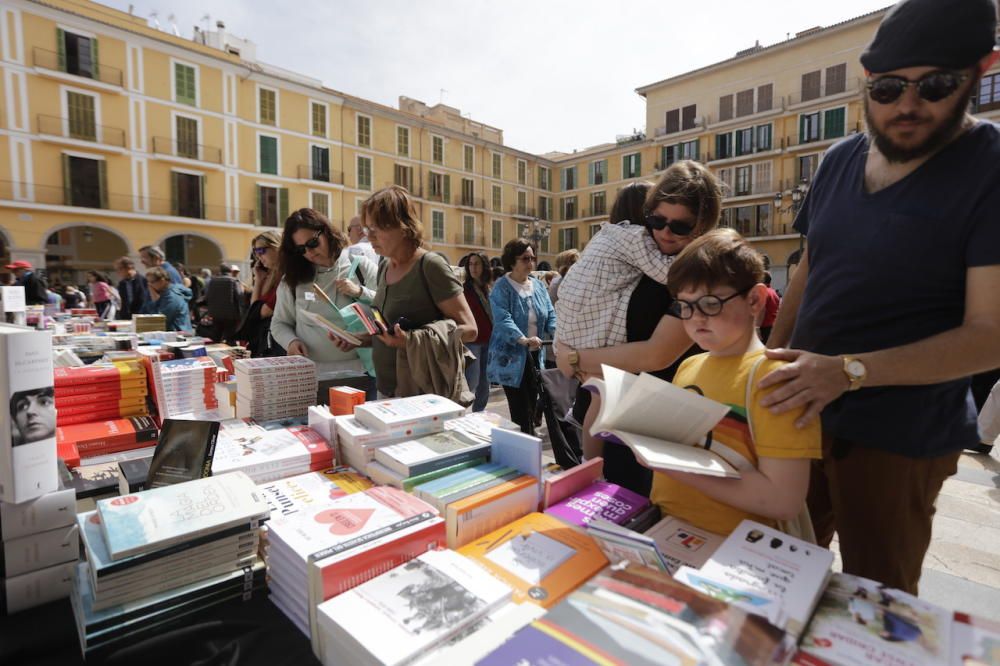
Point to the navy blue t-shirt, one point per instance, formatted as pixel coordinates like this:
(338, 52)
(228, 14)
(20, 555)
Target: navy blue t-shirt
(889, 268)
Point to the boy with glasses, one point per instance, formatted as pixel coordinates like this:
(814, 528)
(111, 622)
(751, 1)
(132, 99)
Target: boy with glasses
(894, 304)
(717, 282)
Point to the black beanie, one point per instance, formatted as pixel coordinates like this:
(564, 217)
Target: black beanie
(950, 34)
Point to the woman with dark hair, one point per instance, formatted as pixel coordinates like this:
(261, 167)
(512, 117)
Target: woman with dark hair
(630, 204)
(522, 313)
(313, 263)
(478, 280)
(256, 325)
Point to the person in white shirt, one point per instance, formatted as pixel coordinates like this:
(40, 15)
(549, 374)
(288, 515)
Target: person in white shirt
(358, 235)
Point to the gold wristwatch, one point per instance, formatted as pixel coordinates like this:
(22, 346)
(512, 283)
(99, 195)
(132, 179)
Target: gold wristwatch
(856, 372)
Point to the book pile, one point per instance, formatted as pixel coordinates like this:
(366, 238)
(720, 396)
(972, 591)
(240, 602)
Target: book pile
(39, 548)
(156, 556)
(298, 493)
(578, 496)
(270, 451)
(343, 399)
(101, 392)
(101, 441)
(185, 385)
(274, 388)
(330, 546)
(412, 457)
(668, 545)
(145, 323)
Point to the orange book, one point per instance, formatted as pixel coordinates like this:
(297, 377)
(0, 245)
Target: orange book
(122, 405)
(102, 415)
(477, 515)
(89, 374)
(541, 557)
(343, 400)
(122, 387)
(348, 481)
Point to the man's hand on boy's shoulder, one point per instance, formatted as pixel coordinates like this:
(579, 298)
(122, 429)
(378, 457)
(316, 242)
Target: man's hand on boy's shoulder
(810, 381)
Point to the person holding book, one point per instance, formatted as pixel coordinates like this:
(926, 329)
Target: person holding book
(522, 314)
(312, 260)
(717, 283)
(894, 305)
(168, 299)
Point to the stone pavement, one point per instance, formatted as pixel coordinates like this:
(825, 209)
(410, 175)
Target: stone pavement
(962, 567)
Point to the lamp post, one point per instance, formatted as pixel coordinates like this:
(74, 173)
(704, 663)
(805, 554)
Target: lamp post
(796, 197)
(536, 231)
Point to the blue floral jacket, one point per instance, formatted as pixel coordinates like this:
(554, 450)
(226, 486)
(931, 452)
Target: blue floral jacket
(505, 359)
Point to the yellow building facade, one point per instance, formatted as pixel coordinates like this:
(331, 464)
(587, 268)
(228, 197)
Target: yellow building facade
(115, 135)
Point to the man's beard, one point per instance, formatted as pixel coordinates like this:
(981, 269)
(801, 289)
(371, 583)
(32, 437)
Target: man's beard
(939, 138)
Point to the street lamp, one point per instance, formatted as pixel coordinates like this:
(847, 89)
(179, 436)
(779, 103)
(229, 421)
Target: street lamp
(537, 231)
(796, 196)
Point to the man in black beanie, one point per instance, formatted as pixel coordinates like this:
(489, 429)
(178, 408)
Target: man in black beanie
(894, 304)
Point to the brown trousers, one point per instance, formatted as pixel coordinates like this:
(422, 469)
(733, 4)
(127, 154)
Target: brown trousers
(881, 505)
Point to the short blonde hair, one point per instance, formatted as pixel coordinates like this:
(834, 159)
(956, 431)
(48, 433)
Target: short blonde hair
(565, 259)
(393, 208)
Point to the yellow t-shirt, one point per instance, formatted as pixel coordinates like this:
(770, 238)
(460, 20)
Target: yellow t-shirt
(724, 379)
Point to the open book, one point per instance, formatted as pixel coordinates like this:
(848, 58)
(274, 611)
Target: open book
(664, 425)
(323, 322)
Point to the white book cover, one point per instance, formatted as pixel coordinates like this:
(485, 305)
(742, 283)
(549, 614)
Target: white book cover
(531, 558)
(266, 450)
(38, 551)
(479, 639)
(413, 455)
(322, 421)
(157, 518)
(682, 544)
(860, 622)
(351, 432)
(400, 412)
(32, 589)
(51, 510)
(413, 607)
(299, 493)
(28, 433)
(766, 572)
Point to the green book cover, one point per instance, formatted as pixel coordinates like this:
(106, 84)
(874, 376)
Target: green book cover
(410, 483)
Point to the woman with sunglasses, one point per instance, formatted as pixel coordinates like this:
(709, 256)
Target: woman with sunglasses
(256, 326)
(478, 281)
(312, 261)
(522, 315)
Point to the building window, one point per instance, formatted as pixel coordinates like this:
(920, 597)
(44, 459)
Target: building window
(725, 107)
(469, 230)
(77, 54)
(544, 209)
(364, 173)
(320, 167)
(765, 97)
(744, 141)
(836, 79)
(989, 93)
(598, 203)
(437, 149)
(522, 202)
(807, 167)
(742, 186)
(497, 198)
(320, 202)
(318, 112)
(544, 178)
(569, 178)
(631, 165)
(723, 146)
(688, 116)
(497, 163)
(364, 131)
(435, 186)
(811, 85)
(268, 106)
(403, 141)
(568, 208)
(187, 137)
(496, 233)
(809, 127)
(468, 192)
(673, 121)
(689, 150)
(437, 226)
(82, 116)
(597, 172)
(668, 155)
(468, 157)
(764, 137)
(185, 84)
(763, 220)
(85, 182)
(403, 176)
(567, 239)
(269, 155)
(762, 178)
(272, 205)
(726, 178)
(522, 172)
(188, 194)
(744, 103)
(594, 230)
(833, 123)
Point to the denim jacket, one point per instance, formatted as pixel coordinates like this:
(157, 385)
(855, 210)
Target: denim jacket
(506, 358)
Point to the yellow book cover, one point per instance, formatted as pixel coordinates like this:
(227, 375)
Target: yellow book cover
(474, 516)
(541, 557)
(349, 482)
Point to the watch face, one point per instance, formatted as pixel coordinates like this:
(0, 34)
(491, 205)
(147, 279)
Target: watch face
(856, 369)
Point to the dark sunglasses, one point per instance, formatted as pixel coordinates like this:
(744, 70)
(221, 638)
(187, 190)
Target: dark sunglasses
(709, 305)
(932, 87)
(310, 244)
(260, 250)
(677, 228)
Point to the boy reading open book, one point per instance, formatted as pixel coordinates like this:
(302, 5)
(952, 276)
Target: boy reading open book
(717, 281)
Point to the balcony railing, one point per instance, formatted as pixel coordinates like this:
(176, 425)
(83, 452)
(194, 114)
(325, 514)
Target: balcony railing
(89, 197)
(471, 202)
(62, 127)
(164, 145)
(314, 172)
(749, 189)
(824, 91)
(522, 211)
(438, 197)
(569, 214)
(597, 211)
(104, 73)
(471, 240)
(795, 139)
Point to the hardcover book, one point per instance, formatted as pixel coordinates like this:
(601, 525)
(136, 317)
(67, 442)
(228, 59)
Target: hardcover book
(384, 415)
(38, 551)
(51, 510)
(184, 452)
(161, 517)
(39, 587)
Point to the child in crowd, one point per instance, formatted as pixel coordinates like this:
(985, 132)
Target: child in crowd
(717, 282)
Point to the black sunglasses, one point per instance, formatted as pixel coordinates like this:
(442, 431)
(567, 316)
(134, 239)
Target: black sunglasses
(310, 244)
(677, 228)
(932, 87)
(709, 305)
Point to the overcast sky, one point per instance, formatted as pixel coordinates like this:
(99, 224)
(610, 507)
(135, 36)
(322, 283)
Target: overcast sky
(552, 74)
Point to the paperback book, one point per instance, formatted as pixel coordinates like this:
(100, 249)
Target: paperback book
(305, 491)
(51, 510)
(384, 415)
(39, 551)
(578, 496)
(269, 454)
(430, 453)
(19, 593)
(184, 452)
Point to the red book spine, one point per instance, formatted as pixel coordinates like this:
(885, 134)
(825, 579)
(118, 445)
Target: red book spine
(91, 374)
(94, 438)
(118, 406)
(103, 387)
(103, 415)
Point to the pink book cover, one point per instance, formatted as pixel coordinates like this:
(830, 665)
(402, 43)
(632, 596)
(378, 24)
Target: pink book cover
(600, 499)
(573, 480)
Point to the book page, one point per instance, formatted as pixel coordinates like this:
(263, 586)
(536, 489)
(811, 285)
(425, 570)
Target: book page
(658, 454)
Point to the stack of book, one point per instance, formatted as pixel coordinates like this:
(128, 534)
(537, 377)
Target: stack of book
(39, 548)
(343, 399)
(331, 546)
(270, 451)
(185, 385)
(412, 457)
(99, 441)
(148, 323)
(156, 556)
(100, 392)
(578, 496)
(298, 493)
(274, 388)
(356, 444)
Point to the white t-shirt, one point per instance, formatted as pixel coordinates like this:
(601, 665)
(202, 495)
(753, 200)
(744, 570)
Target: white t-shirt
(365, 249)
(526, 291)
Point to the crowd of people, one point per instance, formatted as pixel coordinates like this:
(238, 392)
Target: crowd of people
(849, 398)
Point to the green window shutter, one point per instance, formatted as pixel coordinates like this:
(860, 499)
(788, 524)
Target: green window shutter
(95, 65)
(720, 146)
(833, 123)
(61, 48)
(184, 84)
(269, 155)
(102, 182)
(447, 188)
(564, 179)
(638, 169)
(590, 173)
(201, 197)
(802, 129)
(260, 204)
(67, 181)
(175, 204)
(282, 205)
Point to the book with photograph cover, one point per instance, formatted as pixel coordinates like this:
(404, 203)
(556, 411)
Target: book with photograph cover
(184, 452)
(974, 640)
